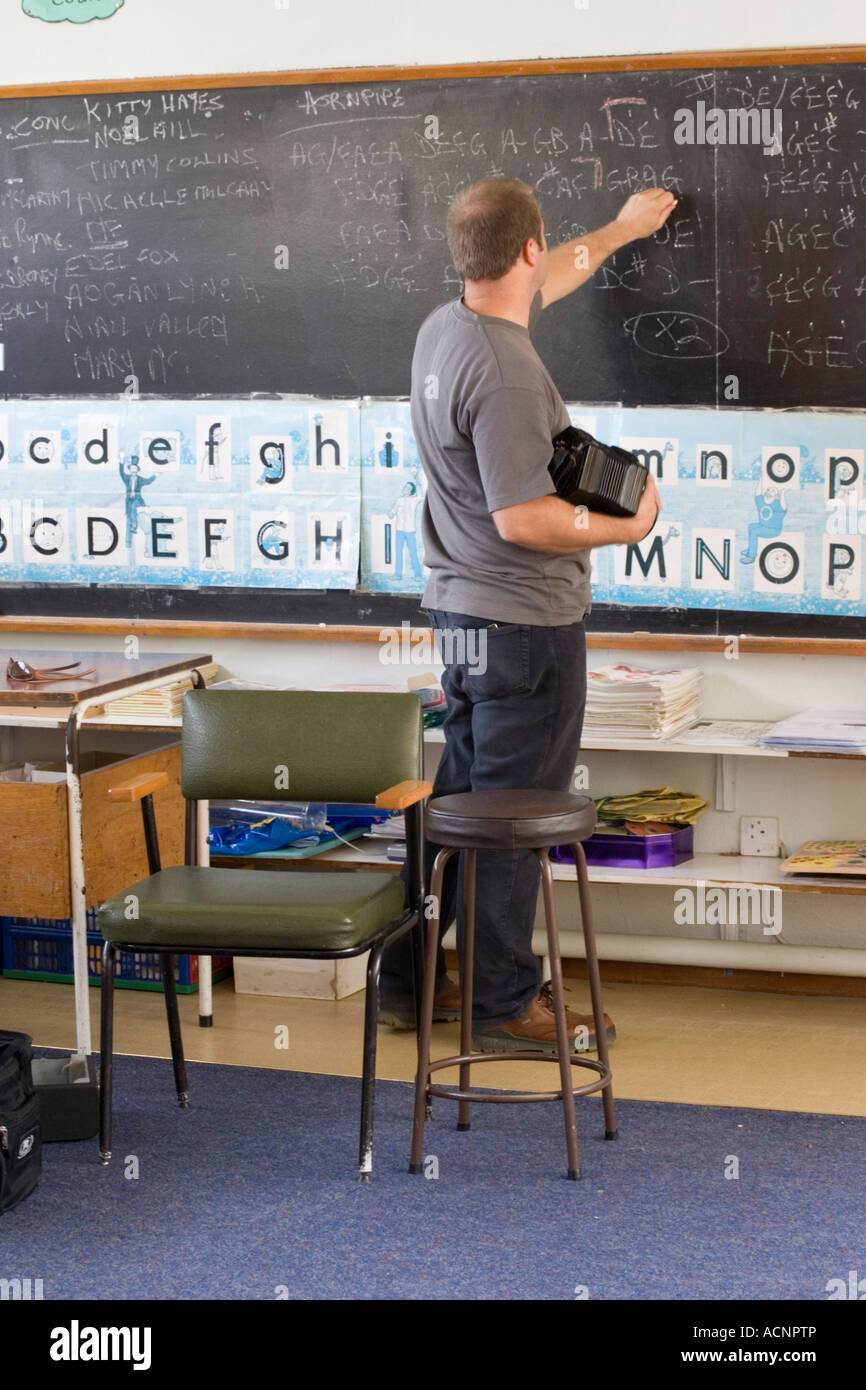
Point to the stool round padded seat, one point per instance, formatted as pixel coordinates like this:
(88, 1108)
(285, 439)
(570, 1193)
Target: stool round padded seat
(527, 818)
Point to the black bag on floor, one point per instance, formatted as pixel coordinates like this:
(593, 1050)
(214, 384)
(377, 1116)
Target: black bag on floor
(20, 1138)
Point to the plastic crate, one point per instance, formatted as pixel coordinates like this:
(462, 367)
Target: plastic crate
(40, 948)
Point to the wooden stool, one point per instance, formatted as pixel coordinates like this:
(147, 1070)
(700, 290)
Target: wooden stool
(509, 820)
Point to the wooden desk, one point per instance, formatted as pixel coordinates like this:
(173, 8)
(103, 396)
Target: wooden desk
(70, 702)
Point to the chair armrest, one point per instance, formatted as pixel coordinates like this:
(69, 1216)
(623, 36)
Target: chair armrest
(403, 794)
(138, 787)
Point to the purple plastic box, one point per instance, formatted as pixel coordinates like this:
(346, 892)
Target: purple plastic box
(634, 851)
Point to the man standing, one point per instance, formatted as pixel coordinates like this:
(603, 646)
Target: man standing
(509, 585)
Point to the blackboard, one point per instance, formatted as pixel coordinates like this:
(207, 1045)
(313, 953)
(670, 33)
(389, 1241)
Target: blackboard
(230, 240)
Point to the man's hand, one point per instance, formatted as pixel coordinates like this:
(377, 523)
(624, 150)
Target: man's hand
(570, 265)
(645, 213)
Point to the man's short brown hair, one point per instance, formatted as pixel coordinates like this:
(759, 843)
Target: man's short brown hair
(488, 222)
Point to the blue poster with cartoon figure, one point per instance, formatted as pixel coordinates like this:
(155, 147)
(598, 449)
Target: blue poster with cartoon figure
(235, 493)
(392, 488)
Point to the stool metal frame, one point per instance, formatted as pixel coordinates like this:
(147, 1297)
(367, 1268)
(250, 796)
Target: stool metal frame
(465, 1094)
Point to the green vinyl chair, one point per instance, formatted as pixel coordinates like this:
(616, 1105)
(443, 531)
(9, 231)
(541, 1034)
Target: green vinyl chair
(272, 745)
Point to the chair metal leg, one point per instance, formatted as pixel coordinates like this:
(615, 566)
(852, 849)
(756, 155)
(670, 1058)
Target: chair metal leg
(368, 1074)
(415, 856)
(417, 944)
(167, 965)
(106, 1045)
(422, 1078)
(610, 1130)
(562, 1041)
(467, 981)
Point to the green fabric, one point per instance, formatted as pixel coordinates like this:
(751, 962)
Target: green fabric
(233, 908)
(299, 745)
(659, 804)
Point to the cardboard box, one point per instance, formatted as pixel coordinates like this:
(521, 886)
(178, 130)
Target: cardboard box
(34, 834)
(300, 979)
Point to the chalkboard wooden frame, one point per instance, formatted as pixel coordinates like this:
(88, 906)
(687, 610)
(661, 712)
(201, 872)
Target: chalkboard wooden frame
(598, 637)
(296, 607)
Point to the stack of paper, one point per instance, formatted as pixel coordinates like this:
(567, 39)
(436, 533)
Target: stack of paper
(631, 702)
(238, 683)
(164, 703)
(827, 730)
(393, 830)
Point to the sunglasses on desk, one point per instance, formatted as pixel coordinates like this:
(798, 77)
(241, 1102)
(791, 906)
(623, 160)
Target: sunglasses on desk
(18, 670)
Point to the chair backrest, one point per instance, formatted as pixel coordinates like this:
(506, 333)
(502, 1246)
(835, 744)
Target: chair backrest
(299, 745)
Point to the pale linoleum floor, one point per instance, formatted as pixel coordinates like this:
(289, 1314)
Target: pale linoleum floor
(681, 1044)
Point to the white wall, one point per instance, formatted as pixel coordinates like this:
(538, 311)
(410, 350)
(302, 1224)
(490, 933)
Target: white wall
(166, 37)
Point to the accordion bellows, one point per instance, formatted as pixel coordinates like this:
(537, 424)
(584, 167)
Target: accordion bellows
(598, 476)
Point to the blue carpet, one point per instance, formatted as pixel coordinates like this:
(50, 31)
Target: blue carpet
(254, 1188)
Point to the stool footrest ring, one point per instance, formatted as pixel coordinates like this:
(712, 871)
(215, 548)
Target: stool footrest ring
(508, 1097)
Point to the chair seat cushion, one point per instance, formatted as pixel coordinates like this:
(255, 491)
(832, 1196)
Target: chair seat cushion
(236, 908)
(526, 818)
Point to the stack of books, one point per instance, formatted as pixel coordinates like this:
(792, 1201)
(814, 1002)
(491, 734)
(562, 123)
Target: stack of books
(631, 702)
(164, 703)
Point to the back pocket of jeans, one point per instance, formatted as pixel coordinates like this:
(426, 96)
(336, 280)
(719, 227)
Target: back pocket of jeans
(497, 661)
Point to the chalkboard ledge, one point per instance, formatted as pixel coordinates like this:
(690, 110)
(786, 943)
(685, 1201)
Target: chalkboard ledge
(597, 637)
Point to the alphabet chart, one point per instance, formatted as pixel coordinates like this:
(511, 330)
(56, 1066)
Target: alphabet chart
(761, 510)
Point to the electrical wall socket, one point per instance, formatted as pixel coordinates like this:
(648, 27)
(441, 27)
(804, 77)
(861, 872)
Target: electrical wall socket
(759, 835)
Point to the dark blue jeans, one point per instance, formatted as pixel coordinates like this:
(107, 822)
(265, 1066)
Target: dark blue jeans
(515, 697)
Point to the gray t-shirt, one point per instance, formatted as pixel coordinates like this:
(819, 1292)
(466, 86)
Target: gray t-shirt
(484, 414)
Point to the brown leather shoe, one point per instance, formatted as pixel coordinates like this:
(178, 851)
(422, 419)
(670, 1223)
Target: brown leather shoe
(446, 1008)
(535, 1031)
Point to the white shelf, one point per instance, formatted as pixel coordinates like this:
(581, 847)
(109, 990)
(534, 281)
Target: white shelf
(713, 870)
(731, 740)
(718, 870)
(104, 721)
(15, 717)
(730, 737)
(699, 739)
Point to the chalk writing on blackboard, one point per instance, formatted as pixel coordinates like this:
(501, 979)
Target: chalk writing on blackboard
(235, 241)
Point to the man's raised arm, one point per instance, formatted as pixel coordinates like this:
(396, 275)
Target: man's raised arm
(571, 264)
